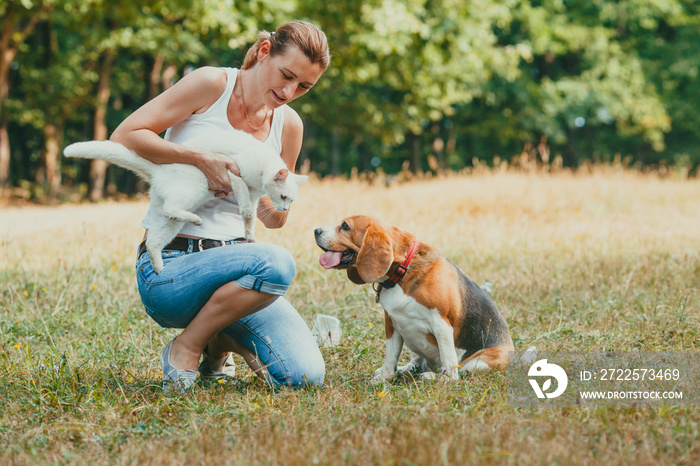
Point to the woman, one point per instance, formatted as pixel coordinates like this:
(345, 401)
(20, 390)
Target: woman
(227, 295)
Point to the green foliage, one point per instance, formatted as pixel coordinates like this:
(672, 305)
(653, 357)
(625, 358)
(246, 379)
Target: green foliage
(408, 79)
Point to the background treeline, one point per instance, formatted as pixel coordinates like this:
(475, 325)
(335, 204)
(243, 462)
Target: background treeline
(422, 85)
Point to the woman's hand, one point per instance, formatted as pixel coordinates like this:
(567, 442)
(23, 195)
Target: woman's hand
(216, 168)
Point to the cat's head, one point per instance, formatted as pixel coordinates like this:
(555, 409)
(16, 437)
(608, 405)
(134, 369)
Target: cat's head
(283, 188)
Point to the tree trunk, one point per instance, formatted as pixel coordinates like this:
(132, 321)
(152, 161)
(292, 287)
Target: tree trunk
(416, 153)
(4, 156)
(98, 168)
(438, 148)
(154, 78)
(335, 153)
(98, 175)
(53, 136)
(10, 40)
(450, 146)
(168, 78)
(6, 57)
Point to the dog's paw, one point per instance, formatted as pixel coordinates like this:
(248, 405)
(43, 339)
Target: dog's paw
(430, 375)
(381, 374)
(410, 367)
(444, 376)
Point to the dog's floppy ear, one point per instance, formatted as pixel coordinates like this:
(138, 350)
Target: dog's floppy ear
(375, 256)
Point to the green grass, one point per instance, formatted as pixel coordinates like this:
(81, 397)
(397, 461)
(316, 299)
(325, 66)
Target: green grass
(607, 260)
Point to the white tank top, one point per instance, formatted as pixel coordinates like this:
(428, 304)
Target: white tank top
(220, 217)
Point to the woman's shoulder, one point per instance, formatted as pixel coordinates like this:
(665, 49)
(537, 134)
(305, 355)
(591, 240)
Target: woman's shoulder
(202, 87)
(209, 76)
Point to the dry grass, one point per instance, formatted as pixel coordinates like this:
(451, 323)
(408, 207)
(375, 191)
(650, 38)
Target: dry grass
(604, 260)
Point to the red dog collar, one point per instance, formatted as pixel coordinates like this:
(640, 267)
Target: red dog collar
(399, 272)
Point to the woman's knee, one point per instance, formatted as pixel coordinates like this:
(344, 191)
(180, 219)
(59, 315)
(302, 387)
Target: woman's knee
(280, 266)
(304, 375)
(298, 365)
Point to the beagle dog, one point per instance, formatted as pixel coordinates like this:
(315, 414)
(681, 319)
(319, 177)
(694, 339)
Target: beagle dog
(448, 322)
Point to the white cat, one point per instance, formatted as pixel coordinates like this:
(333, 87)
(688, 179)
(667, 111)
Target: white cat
(177, 190)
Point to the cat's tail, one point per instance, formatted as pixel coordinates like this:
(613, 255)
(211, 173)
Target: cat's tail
(112, 152)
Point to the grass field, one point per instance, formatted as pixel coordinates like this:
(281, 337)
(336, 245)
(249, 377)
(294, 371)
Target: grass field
(603, 260)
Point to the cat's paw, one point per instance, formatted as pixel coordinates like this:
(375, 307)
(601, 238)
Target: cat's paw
(247, 211)
(157, 264)
(251, 239)
(182, 216)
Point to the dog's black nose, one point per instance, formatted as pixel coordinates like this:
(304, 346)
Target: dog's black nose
(318, 232)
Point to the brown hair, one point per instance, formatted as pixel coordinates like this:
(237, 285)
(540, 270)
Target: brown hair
(307, 37)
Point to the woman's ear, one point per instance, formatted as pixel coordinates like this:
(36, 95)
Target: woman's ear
(264, 50)
(375, 256)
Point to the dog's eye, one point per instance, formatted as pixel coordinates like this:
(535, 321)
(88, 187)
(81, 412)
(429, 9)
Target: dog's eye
(345, 226)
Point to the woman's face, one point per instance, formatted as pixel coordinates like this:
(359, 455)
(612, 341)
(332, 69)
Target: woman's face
(286, 76)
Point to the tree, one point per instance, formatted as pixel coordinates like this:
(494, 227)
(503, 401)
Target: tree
(54, 82)
(19, 20)
(399, 65)
(580, 84)
(437, 81)
(666, 35)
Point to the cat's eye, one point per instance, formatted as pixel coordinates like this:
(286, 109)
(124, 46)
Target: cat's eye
(283, 197)
(345, 226)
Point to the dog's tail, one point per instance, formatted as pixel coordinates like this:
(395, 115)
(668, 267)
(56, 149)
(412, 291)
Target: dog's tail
(112, 152)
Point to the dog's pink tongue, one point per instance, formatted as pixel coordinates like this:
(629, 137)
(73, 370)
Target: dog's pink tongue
(330, 259)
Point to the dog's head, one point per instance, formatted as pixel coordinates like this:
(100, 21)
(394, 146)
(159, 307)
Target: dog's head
(363, 245)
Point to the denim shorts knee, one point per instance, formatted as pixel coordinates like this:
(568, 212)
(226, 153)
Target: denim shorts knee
(283, 344)
(188, 279)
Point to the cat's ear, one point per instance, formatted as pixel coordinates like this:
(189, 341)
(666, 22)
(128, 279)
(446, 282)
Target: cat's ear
(282, 175)
(301, 179)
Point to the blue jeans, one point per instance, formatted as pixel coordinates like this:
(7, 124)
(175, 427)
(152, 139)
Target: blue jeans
(277, 335)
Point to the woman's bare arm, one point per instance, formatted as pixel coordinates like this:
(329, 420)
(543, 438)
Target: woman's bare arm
(292, 136)
(194, 93)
